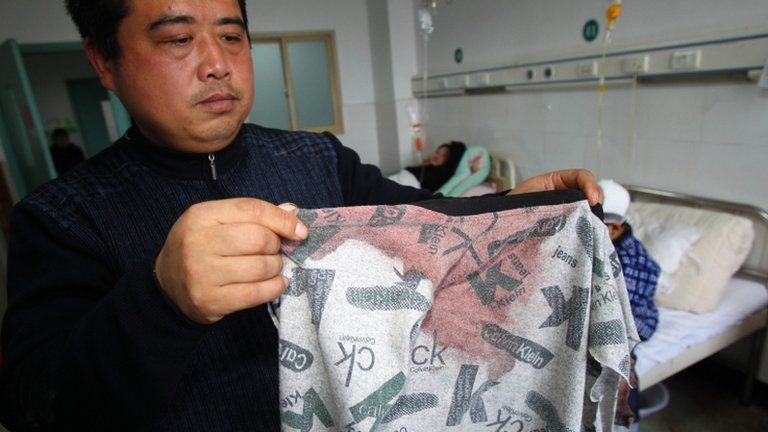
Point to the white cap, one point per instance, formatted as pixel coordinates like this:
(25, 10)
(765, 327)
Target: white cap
(616, 201)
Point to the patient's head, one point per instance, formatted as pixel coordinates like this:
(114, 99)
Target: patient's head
(615, 206)
(440, 156)
(448, 154)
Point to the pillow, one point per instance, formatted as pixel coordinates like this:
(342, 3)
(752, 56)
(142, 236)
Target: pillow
(668, 245)
(484, 188)
(473, 169)
(723, 245)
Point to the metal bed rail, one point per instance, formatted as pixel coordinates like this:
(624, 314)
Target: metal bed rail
(756, 265)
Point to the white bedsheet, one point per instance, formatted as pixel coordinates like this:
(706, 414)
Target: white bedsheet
(678, 330)
(405, 178)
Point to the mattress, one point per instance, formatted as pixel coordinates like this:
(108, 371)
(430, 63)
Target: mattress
(678, 330)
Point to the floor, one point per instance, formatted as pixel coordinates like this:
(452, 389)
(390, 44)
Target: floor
(705, 398)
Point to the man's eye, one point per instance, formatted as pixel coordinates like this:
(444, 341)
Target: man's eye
(232, 38)
(180, 41)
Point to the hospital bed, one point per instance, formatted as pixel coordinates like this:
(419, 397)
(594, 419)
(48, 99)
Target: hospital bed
(683, 338)
(501, 175)
(503, 169)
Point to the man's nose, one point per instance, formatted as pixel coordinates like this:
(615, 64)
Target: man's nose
(213, 61)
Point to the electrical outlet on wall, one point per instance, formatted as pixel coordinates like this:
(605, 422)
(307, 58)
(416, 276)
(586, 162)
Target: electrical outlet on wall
(587, 69)
(686, 59)
(636, 65)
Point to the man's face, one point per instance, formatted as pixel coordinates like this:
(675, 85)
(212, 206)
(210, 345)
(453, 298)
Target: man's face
(184, 71)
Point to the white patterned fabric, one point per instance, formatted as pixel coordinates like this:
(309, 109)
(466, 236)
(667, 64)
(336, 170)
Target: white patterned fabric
(404, 318)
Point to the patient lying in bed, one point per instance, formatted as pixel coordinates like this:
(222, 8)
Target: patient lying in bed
(435, 171)
(455, 170)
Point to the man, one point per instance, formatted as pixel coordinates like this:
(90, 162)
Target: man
(65, 154)
(641, 272)
(137, 284)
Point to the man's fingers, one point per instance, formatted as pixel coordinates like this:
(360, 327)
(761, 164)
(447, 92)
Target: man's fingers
(249, 295)
(579, 179)
(533, 184)
(289, 207)
(246, 269)
(249, 210)
(241, 239)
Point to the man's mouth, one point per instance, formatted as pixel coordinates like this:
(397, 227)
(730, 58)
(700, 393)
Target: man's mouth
(219, 102)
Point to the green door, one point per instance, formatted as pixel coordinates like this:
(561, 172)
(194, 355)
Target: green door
(87, 96)
(122, 118)
(11, 170)
(27, 150)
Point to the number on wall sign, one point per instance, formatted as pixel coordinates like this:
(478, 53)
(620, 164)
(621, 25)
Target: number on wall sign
(591, 30)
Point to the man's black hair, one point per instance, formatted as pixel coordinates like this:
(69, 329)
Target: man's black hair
(98, 21)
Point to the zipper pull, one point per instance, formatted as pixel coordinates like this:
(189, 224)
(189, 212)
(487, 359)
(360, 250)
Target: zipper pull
(212, 158)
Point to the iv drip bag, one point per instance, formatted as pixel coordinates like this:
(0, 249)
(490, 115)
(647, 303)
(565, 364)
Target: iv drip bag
(425, 22)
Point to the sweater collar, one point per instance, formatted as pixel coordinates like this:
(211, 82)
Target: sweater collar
(174, 163)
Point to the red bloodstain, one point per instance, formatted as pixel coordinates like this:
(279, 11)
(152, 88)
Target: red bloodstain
(457, 314)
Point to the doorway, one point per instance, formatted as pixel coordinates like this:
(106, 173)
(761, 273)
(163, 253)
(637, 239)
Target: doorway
(68, 96)
(88, 99)
(46, 87)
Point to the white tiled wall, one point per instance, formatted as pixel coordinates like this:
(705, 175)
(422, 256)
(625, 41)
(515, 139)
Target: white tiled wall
(709, 140)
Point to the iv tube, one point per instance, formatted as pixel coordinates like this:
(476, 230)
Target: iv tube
(426, 26)
(417, 132)
(612, 13)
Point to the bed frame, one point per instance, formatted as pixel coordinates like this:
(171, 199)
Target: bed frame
(503, 170)
(754, 268)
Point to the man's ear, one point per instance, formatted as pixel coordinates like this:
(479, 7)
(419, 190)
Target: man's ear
(105, 68)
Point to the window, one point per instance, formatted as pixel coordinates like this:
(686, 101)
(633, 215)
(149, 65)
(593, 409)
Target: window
(296, 82)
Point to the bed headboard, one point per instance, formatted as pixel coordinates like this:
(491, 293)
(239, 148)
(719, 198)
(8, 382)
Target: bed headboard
(756, 265)
(503, 168)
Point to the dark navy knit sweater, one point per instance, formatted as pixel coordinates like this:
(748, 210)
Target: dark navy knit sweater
(89, 340)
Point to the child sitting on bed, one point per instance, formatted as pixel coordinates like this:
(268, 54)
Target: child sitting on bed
(435, 171)
(641, 272)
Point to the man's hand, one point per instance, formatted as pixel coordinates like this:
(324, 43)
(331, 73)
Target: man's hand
(566, 179)
(223, 256)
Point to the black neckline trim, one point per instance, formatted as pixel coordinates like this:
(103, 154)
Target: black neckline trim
(177, 164)
(494, 203)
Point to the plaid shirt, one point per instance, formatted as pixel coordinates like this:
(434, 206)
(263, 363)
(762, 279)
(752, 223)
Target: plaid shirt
(641, 274)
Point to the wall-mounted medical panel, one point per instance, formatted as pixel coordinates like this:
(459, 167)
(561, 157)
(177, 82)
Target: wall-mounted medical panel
(740, 53)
